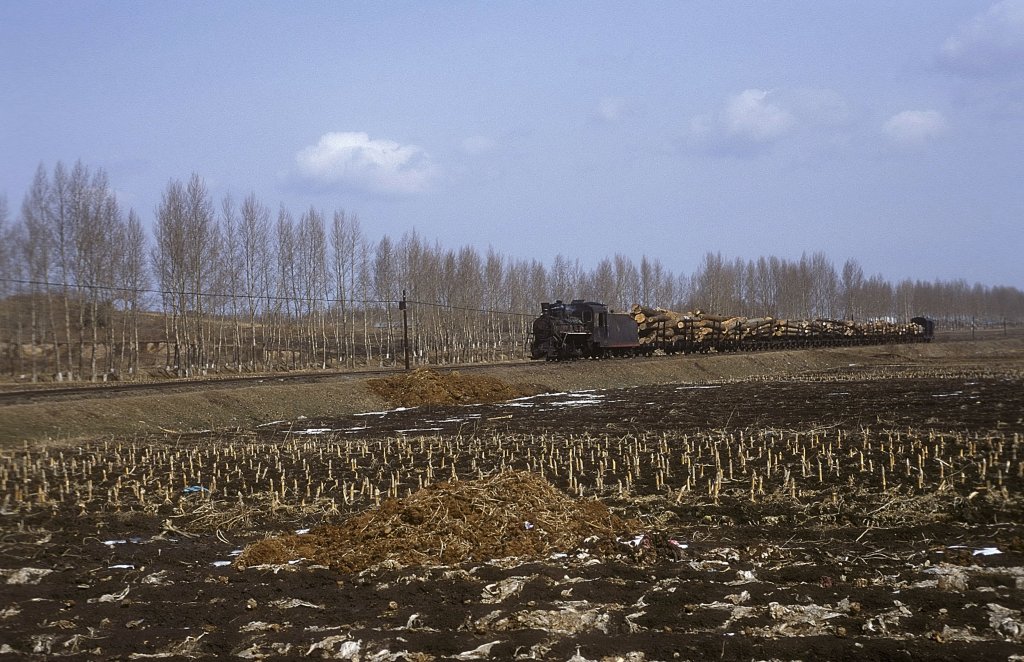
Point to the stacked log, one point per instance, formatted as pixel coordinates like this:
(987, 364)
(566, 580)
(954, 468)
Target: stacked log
(656, 324)
(662, 326)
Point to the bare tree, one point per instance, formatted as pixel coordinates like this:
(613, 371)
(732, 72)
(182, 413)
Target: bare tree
(36, 248)
(11, 271)
(824, 286)
(233, 272)
(851, 286)
(80, 199)
(61, 217)
(564, 283)
(184, 259)
(495, 298)
(469, 293)
(794, 288)
(135, 279)
(287, 287)
(714, 284)
(386, 288)
(7, 251)
(522, 302)
(602, 284)
(98, 224)
(877, 297)
(169, 265)
(627, 281)
(203, 245)
(662, 283)
(762, 286)
(311, 268)
(684, 291)
(646, 282)
(345, 237)
(253, 239)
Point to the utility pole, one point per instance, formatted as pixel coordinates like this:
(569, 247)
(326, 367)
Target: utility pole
(405, 329)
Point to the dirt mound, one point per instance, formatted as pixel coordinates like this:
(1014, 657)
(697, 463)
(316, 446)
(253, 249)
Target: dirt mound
(509, 514)
(424, 386)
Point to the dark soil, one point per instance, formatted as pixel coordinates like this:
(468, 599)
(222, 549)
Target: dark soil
(854, 514)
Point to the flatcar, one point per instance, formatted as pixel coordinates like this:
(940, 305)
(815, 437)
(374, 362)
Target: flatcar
(588, 329)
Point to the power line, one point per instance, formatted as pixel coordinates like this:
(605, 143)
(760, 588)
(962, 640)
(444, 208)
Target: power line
(259, 297)
(472, 310)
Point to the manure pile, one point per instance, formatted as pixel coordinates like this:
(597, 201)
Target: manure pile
(425, 387)
(514, 513)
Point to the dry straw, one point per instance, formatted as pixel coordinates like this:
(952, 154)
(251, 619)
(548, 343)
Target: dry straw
(513, 513)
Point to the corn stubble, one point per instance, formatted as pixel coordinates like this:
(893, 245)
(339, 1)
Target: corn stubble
(233, 482)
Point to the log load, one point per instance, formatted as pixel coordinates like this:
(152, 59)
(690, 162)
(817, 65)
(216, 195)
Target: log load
(700, 331)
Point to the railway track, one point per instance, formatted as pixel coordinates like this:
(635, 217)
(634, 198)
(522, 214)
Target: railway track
(49, 393)
(19, 394)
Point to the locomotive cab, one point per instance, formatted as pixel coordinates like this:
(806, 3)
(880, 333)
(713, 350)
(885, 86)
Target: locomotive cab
(927, 328)
(582, 329)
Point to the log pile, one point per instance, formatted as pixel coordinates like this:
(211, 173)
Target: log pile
(661, 327)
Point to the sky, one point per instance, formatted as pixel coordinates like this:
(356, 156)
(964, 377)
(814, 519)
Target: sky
(888, 132)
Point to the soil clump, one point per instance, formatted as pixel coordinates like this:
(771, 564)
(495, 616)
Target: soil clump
(426, 387)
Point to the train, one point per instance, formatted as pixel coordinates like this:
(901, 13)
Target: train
(583, 329)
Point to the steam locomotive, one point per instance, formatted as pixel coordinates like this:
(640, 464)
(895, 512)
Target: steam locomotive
(583, 329)
(587, 329)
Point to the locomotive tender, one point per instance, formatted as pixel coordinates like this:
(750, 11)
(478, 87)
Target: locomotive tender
(587, 329)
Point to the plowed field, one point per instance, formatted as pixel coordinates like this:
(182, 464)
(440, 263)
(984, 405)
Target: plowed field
(856, 514)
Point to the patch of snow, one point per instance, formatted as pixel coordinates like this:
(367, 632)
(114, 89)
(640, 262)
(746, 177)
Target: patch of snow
(25, 575)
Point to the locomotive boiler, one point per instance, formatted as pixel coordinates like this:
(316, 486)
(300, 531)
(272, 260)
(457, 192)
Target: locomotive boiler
(583, 329)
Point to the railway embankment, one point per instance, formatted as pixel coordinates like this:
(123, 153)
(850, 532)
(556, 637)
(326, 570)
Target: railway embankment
(248, 406)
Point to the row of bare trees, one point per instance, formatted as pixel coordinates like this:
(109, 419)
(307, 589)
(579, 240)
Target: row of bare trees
(71, 259)
(87, 293)
(812, 287)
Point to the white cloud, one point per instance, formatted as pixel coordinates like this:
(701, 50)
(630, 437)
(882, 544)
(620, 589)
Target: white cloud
(374, 165)
(755, 119)
(990, 43)
(752, 115)
(914, 128)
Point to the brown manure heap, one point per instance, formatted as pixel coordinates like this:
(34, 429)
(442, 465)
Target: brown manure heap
(515, 514)
(424, 387)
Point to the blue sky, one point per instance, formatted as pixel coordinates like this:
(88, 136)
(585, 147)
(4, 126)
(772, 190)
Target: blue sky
(891, 132)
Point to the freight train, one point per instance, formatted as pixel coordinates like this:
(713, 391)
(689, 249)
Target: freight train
(587, 329)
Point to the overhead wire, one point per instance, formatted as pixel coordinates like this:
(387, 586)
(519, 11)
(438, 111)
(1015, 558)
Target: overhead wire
(260, 297)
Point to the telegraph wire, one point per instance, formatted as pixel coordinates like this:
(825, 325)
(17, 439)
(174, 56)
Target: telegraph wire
(261, 297)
